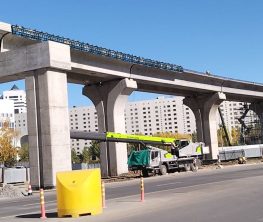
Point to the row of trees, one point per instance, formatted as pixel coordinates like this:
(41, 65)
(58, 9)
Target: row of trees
(239, 137)
(89, 154)
(8, 152)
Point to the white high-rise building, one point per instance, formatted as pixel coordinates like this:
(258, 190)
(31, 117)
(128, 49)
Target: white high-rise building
(82, 118)
(160, 115)
(147, 117)
(231, 111)
(21, 123)
(164, 114)
(19, 98)
(7, 113)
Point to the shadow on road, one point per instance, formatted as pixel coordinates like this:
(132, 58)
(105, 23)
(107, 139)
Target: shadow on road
(49, 215)
(129, 201)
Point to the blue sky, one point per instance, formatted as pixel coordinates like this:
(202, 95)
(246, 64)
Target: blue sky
(224, 37)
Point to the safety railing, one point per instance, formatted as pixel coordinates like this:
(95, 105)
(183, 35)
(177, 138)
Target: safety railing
(96, 50)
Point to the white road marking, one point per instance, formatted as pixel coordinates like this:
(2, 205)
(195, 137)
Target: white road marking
(32, 204)
(168, 190)
(165, 184)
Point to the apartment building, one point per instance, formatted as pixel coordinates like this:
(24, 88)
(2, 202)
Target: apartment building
(160, 115)
(231, 111)
(7, 112)
(19, 98)
(146, 117)
(163, 114)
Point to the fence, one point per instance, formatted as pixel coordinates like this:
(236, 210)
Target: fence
(83, 166)
(17, 175)
(13, 175)
(233, 152)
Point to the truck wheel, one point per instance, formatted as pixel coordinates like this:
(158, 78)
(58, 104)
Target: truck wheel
(187, 167)
(163, 170)
(193, 167)
(145, 173)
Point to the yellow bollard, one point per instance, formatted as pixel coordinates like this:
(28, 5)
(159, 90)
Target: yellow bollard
(79, 193)
(142, 190)
(103, 194)
(42, 205)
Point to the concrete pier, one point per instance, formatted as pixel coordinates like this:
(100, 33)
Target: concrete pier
(109, 99)
(205, 108)
(48, 126)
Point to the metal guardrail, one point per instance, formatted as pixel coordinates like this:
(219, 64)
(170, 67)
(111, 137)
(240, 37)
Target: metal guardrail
(231, 155)
(13, 175)
(96, 50)
(234, 152)
(82, 166)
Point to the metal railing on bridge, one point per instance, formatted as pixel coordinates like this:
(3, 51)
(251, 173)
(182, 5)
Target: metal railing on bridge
(96, 50)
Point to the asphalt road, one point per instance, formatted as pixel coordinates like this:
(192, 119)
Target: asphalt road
(229, 194)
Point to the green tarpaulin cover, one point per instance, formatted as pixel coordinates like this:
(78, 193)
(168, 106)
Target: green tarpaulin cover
(139, 158)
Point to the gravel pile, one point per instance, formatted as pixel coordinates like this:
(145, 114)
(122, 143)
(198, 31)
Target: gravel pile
(10, 191)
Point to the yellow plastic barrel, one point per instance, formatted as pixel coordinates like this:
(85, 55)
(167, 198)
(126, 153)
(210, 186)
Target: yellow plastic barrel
(79, 193)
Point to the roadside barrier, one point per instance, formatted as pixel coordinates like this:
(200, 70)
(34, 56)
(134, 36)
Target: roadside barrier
(29, 189)
(103, 194)
(42, 205)
(142, 190)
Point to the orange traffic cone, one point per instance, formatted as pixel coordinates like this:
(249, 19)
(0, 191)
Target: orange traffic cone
(29, 190)
(42, 205)
(142, 190)
(103, 194)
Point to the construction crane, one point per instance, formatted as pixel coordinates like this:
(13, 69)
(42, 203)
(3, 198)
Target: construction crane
(184, 154)
(119, 137)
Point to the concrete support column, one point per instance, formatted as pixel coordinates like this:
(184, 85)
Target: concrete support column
(205, 109)
(48, 126)
(110, 99)
(96, 95)
(193, 104)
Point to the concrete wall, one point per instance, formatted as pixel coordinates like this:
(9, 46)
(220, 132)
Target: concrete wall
(13, 175)
(233, 152)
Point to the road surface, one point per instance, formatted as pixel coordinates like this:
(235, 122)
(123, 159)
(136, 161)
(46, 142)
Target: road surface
(228, 194)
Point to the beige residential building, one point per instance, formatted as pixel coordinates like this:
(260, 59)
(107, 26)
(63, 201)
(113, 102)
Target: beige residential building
(163, 114)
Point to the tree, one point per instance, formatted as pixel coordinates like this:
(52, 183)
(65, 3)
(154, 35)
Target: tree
(221, 137)
(235, 135)
(85, 155)
(23, 153)
(194, 137)
(8, 152)
(176, 136)
(74, 157)
(94, 152)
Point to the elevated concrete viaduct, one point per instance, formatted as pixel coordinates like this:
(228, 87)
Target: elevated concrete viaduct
(48, 62)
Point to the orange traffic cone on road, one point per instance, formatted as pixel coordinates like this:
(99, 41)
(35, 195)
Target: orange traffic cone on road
(142, 190)
(103, 195)
(29, 190)
(42, 205)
